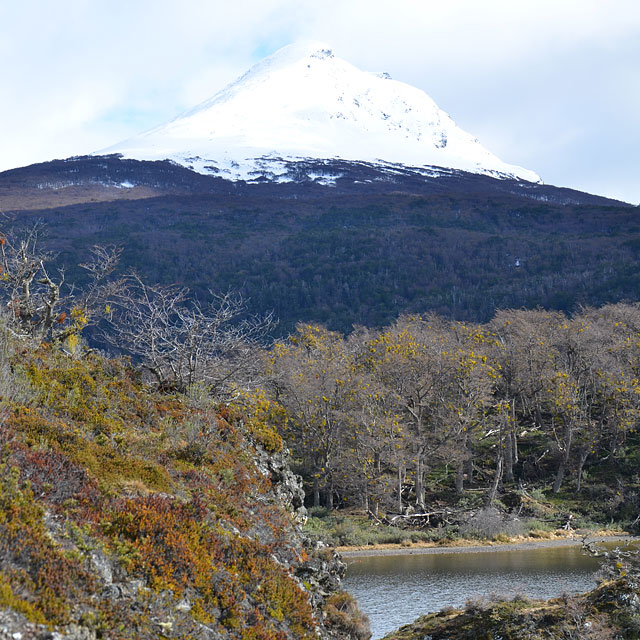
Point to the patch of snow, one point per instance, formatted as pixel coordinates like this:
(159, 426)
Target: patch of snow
(304, 102)
(63, 184)
(325, 179)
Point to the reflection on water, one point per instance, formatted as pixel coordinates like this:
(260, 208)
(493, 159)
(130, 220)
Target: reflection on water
(395, 590)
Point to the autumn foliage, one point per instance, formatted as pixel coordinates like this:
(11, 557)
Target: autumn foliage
(378, 417)
(159, 491)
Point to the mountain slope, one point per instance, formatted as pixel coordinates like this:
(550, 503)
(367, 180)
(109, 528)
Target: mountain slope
(87, 179)
(303, 102)
(126, 513)
(316, 254)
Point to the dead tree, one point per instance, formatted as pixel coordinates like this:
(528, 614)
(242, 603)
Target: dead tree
(182, 343)
(41, 305)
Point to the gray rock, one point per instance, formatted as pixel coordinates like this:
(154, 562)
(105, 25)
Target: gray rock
(76, 632)
(183, 605)
(102, 565)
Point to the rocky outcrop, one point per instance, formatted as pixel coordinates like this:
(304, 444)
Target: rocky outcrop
(322, 571)
(286, 485)
(611, 611)
(130, 514)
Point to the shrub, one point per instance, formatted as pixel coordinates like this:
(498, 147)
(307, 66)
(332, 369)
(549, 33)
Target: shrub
(319, 512)
(42, 580)
(341, 610)
(539, 528)
(163, 490)
(489, 523)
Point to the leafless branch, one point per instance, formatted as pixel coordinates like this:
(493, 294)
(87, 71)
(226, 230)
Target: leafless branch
(43, 306)
(180, 342)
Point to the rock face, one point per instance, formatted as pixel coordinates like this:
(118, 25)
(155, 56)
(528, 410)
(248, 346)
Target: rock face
(129, 514)
(287, 486)
(322, 571)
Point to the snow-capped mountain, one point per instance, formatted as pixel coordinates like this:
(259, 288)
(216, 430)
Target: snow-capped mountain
(305, 103)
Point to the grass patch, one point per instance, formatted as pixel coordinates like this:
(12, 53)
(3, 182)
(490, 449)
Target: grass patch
(357, 530)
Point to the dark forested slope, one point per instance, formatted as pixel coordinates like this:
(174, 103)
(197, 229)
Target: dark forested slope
(363, 258)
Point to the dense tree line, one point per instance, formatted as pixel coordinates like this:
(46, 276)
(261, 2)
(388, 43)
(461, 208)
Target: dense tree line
(375, 417)
(343, 260)
(531, 396)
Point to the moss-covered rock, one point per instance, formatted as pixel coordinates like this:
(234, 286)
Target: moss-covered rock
(129, 514)
(612, 611)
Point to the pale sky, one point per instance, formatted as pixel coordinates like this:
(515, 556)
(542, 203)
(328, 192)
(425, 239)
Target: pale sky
(550, 85)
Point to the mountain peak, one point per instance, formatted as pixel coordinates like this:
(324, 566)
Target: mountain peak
(299, 50)
(304, 102)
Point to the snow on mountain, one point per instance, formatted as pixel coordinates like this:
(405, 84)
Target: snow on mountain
(303, 102)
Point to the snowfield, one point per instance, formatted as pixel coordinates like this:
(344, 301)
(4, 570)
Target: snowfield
(305, 103)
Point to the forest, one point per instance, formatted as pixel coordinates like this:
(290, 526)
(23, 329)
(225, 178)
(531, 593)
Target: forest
(411, 417)
(427, 408)
(342, 260)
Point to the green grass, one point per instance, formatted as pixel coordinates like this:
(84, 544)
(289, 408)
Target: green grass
(356, 529)
(535, 513)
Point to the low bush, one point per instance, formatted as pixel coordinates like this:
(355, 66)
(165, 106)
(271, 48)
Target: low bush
(538, 528)
(491, 524)
(357, 530)
(341, 610)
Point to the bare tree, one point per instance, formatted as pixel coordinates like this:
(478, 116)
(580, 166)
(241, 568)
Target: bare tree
(41, 305)
(311, 374)
(180, 342)
(31, 295)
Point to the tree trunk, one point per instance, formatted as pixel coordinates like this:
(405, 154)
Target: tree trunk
(469, 463)
(463, 464)
(460, 476)
(399, 488)
(584, 454)
(508, 457)
(316, 492)
(419, 487)
(538, 415)
(559, 475)
(493, 490)
(564, 460)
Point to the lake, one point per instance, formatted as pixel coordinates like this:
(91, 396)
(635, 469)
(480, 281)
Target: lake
(394, 590)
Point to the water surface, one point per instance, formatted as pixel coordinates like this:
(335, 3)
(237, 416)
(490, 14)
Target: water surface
(395, 590)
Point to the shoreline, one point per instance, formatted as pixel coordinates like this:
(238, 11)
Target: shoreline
(516, 545)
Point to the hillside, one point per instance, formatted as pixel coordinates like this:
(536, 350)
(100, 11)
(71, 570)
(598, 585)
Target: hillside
(460, 247)
(126, 513)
